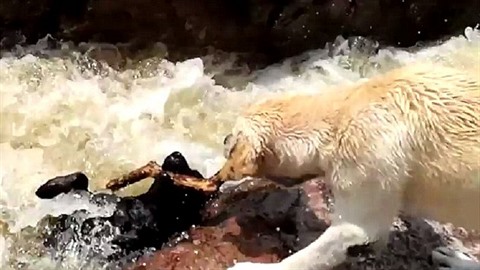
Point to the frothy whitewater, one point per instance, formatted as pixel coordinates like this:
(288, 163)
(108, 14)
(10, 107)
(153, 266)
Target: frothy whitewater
(63, 114)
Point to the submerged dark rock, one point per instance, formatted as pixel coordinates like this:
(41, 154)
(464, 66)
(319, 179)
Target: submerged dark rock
(273, 28)
(138, 224)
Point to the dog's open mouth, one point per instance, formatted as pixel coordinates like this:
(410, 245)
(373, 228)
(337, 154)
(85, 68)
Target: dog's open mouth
(283, 181)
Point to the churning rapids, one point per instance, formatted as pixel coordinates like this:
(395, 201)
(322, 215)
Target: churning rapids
(63, 114)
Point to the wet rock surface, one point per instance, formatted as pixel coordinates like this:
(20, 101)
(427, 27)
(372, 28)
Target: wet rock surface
(263, 222)
(257, 221)
(274, 29)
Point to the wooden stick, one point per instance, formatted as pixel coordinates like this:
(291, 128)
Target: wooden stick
(152, 169)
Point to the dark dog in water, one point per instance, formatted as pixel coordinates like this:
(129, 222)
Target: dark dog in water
(140, 223)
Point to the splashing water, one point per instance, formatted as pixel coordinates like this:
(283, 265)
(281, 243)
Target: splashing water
(63, 114)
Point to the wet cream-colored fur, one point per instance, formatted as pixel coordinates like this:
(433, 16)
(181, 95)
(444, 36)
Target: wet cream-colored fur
(407, 140)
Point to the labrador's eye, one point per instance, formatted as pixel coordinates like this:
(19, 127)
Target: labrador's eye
(227, 139)
(227, 145)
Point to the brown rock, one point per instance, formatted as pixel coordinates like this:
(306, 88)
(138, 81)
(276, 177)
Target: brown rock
(257, 222)
(215, 248)
(262, 222)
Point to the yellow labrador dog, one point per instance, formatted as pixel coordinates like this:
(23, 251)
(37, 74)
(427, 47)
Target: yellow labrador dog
(407, 140)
